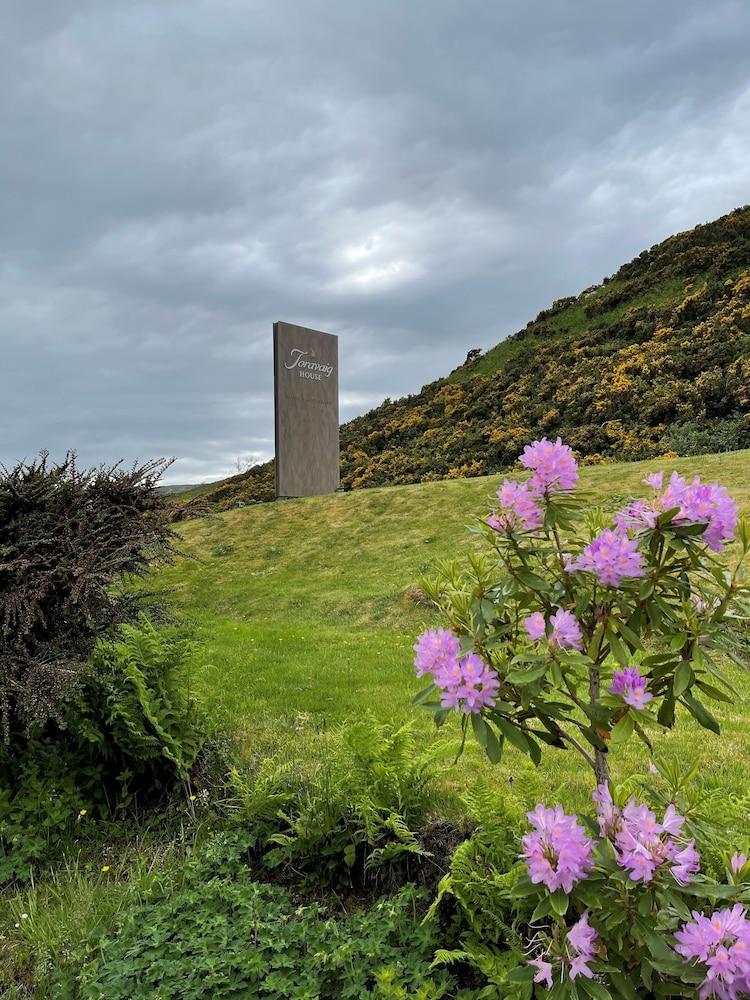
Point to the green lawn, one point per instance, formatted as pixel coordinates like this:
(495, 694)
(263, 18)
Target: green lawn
(303, 615)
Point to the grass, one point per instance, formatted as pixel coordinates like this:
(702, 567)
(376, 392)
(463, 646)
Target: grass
(304, 617)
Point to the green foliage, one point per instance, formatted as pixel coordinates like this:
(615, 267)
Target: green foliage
(213, 931)
(132, 707)
(352, 815)
(67, 538)
(127, 733)
(674, 620)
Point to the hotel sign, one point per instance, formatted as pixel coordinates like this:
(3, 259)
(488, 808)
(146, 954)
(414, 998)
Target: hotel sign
(306, 410)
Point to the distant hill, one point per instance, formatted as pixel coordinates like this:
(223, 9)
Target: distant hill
(654, 360)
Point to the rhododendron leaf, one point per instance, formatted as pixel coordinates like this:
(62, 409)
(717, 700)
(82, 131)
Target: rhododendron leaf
(530, 579)
(424, 694)
(594, 989)
(683, 677)
(559, 902)
(701, 713)
(480, 729)
(526, 676)
(618, 650)
(667, 517)
(629, 636)
(713, 692)
(623, 729)
(494, 748)
(542, 909)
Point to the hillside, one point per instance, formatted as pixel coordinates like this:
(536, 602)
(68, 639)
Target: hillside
(654, 360)
(305, 610)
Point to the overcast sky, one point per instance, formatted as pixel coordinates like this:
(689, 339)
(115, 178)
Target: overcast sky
(418, 176)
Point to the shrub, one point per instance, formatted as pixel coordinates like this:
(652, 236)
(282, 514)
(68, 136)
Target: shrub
(355, 814)
(132, 710)
(67, 538)
(126, 733)
(211, 930)
(579, 633)
(619, 902)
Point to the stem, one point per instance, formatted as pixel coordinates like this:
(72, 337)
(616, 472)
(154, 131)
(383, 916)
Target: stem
(601, 764)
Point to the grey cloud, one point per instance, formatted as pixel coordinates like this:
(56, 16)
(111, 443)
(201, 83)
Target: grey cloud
(420, 178)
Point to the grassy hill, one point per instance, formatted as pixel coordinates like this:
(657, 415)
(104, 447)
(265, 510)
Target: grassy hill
(305, 611)
(654, 360)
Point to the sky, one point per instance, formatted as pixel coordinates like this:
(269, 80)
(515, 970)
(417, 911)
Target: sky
(420, 178)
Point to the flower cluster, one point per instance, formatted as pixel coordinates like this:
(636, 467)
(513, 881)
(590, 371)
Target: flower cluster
(696, 503)
(722, 943)
(466, 682)
(553, 466)
(435, 649)
(557, 851)
(612, 557)
(630, 685)
(519, 509)
(577, 952)
(565, 633)
(642, 844)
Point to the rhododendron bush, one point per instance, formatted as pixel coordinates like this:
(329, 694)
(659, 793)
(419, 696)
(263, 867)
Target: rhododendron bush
(580, 629)
(619, 903)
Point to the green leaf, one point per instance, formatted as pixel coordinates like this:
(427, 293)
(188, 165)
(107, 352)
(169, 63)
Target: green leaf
(701, 713)
(532, 580)
(494, 746)
(559, 902)
(666, 712)
(424, 694)
(623, 729)
(683, 677)
(480, 728)
(595, 989)
(521, 676)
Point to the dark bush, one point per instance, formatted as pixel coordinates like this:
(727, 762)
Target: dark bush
(67, 539)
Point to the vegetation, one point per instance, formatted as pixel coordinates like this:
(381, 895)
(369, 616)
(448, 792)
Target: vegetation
(67, 537)
(652, 361)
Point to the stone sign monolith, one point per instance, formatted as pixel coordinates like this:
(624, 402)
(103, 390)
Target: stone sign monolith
(306, 410)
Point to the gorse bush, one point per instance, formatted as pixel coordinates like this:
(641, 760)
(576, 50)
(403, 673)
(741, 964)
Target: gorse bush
(354, 814)
(67, 537)
(579, 633)
(212, 931)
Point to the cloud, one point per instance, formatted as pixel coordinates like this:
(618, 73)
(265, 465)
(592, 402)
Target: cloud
(419, 178)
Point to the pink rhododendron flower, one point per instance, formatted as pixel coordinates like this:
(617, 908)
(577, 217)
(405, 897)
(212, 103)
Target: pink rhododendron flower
(519, 509)
(566, 632)
(544, 975)
(607, 812)
(611, 557)
(576, 953)
(738, 862)
(644, 845)
(435, 649)
(557, 851)
(467, 684)
(721, 942)
(581, 938)
(696, 503)
(655, 480)
(553, 466)
(629, 685)
(536, 626)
